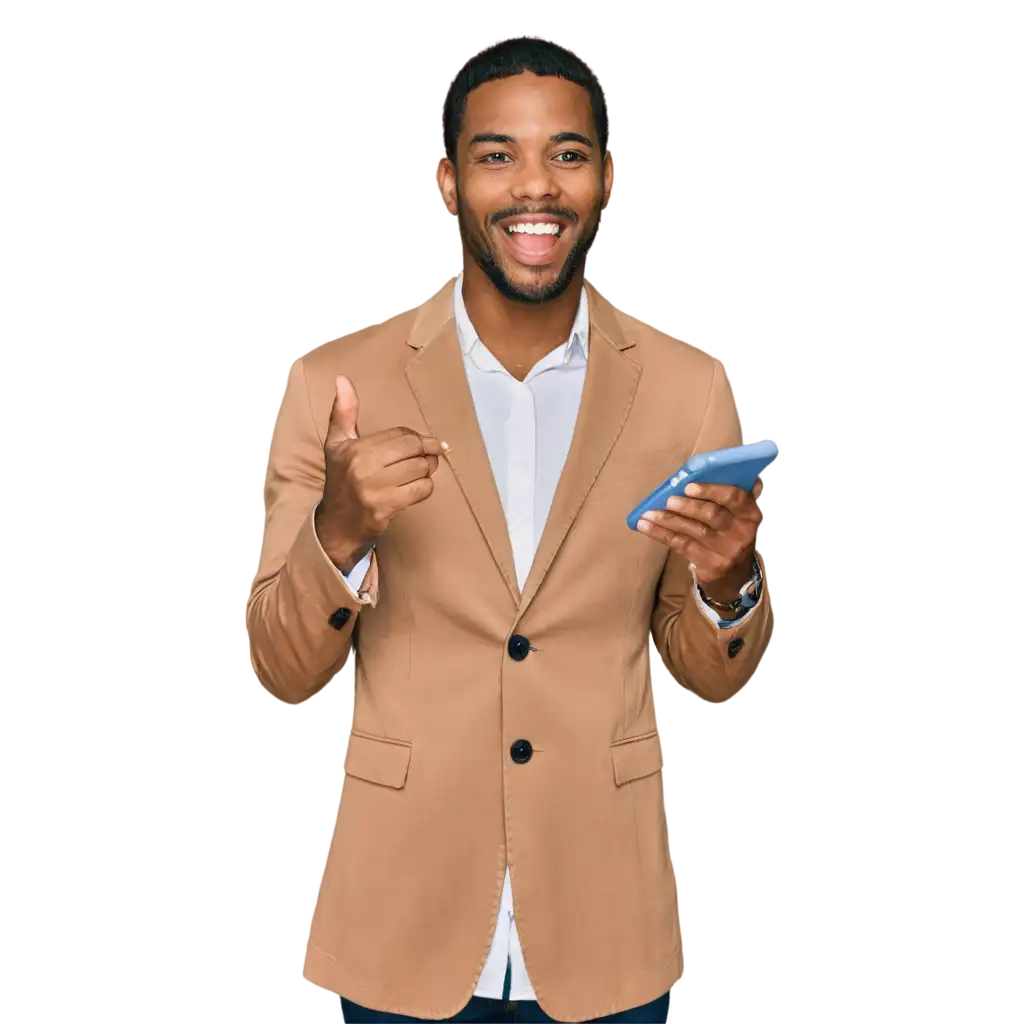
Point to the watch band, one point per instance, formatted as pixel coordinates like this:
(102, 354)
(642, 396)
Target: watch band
(749, 593)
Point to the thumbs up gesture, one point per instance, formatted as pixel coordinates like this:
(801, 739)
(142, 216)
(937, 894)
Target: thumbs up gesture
(368, 479)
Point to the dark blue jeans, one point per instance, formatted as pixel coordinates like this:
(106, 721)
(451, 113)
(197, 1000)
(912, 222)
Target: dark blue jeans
(491, 1011)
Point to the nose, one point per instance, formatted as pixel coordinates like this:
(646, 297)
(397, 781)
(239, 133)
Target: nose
(534, 180)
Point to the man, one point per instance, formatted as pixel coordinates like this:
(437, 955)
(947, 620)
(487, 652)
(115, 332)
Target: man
(447, 494)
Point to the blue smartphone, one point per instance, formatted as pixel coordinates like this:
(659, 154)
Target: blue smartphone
(739, 467)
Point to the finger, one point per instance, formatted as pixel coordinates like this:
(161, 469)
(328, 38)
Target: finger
(404, 471)
(708, 560)
(718, 517)
(757, 489)
(735, 499)
(695, 529)
(433, 446)
(413, 492)
(400, 443)
(345, 410)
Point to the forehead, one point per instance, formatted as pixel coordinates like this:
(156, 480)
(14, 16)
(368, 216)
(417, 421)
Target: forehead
(529, 107)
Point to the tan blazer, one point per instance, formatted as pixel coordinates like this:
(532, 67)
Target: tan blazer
(433, 800)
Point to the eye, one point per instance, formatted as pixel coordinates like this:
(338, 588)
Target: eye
(487, 158)
(579, 157)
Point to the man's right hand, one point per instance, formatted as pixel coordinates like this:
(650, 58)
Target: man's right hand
(369, 479)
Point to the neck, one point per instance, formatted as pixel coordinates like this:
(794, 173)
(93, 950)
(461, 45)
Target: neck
(518, 326)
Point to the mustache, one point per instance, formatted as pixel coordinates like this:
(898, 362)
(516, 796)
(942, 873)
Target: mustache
(522, 211)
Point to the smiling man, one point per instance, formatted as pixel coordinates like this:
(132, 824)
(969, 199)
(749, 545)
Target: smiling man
(446, 497)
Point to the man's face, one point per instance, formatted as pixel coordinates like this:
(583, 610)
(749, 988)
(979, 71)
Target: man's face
(528, 155)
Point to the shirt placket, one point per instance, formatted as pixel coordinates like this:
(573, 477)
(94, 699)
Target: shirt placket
(521, 474)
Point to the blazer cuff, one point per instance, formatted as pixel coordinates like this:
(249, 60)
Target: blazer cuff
(359, 574)
(314, 572)
(744, 639)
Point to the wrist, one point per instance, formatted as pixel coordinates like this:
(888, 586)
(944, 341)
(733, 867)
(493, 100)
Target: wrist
(342, 551)
(730, 595)
(728, 587)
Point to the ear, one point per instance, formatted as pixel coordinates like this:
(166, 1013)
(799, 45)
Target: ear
(609, 175)
(446, 184)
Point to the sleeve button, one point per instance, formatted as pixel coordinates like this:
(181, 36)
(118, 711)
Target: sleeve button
(340, 617)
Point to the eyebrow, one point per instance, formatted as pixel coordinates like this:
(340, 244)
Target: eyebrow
(572, 137)
(500, 138)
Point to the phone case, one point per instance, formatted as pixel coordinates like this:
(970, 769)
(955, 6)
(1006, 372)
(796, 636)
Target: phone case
(739, 467)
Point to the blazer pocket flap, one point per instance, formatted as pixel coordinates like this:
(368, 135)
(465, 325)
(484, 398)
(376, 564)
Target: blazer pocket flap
(635, 757)
(377, 759)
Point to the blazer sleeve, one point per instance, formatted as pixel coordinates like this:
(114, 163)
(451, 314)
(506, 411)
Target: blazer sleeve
(712, 662)
(301, 612)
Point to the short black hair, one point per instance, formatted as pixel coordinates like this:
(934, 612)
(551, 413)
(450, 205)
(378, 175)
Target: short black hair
(513, 57)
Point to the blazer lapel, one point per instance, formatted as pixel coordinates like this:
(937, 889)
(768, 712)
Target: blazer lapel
(609, 385)
(437, 376)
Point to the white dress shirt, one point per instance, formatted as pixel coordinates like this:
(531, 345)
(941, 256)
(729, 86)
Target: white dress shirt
(527, 427)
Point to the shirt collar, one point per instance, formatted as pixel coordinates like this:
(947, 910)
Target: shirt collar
(578, 340)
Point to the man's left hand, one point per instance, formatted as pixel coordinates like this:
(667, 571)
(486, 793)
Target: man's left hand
(715, 528)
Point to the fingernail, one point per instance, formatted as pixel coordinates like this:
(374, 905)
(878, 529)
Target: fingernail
(692, 489)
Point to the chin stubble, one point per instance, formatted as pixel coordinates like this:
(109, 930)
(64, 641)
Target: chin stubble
(484, 257)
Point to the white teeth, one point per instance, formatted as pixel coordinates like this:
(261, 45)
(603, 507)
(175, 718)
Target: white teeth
(534, 229)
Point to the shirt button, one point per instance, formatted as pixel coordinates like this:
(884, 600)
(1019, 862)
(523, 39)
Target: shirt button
(734, 646)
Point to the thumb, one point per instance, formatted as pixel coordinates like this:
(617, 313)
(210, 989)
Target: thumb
(345, 409)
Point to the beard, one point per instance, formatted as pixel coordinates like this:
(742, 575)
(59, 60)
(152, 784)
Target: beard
(484, 257)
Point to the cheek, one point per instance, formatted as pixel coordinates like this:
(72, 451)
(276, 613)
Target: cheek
(483, 192)
(586, 196)
(469, 221)
(472, 228)
(598, 206)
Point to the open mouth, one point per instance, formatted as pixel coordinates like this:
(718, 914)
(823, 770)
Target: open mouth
(532, 241)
